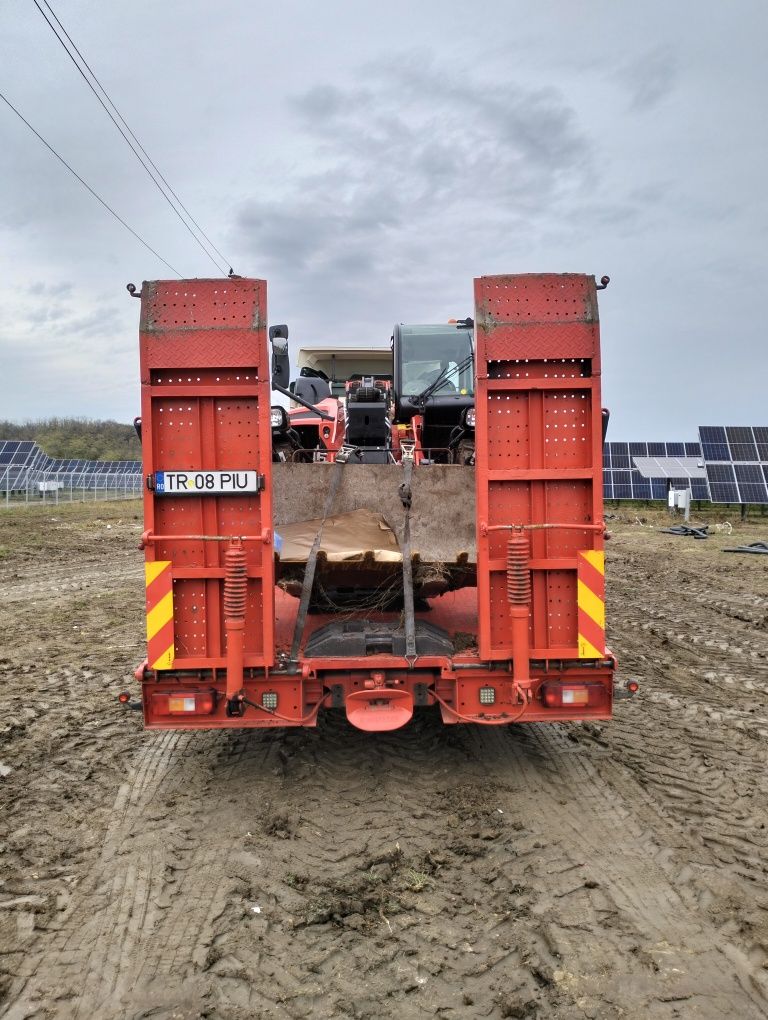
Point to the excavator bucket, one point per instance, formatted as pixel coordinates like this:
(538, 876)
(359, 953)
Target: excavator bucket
(362, 536)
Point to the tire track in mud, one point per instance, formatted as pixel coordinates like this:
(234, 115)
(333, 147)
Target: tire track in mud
(436, 869)
(695, 741)
(95, 939)
(619, 841)
(598, 871)
(373, 874)
(361, 905)
(706, 686)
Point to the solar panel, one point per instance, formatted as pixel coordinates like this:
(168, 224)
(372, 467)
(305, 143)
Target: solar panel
(625, 474)
(761, 440)
(751, 483)
(722, 483)
(736, 462)
(742, 444)
(641, 487)
(714, 445)
(670, 467)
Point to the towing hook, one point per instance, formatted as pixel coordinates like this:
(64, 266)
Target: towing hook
(132, 290)
(604, 281)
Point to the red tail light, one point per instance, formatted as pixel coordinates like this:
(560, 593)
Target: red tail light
(183, 703)
(557, 694)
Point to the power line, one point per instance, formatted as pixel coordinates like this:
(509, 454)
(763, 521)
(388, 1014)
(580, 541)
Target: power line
(87, 186)
(133, 147)
(125, 136)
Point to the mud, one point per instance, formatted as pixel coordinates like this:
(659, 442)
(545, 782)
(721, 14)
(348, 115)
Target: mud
(572, 871)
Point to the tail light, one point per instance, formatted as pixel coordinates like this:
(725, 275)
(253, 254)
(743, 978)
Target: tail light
(184, 703)
(557, 694)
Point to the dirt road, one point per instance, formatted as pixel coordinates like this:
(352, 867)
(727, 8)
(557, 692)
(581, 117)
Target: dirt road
(563, 871)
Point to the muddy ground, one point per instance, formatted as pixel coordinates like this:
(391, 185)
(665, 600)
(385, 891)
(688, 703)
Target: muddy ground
(599, 871)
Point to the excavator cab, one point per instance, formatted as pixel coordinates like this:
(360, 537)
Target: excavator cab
(434, 382)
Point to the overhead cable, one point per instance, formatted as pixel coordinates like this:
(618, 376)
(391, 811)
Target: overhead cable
(87, 186)
(141, 154)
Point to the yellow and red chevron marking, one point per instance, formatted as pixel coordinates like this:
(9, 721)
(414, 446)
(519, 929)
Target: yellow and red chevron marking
(159, 584)
(591, 602)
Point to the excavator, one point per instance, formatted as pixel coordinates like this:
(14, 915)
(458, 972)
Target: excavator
(419, 411)
(425, 395)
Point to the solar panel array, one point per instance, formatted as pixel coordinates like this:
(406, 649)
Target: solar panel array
(23, 465)
(736, 462)
(623, 480)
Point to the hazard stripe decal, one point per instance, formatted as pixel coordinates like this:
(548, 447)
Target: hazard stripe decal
(591, 603)
(159, 591)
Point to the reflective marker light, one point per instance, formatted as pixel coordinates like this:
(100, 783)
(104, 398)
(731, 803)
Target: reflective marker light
(487, 695)
(184, 703)
(124, 697)
(269, 700)
(575, 697)
(556, 694)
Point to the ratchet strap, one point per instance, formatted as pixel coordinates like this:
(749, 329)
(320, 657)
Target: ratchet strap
(406, 499)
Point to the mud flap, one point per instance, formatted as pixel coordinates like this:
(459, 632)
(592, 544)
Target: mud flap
(379, 710)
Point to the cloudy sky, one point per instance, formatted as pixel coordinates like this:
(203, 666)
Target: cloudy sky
(370, 159)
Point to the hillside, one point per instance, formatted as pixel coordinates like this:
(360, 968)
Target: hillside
(78, 437)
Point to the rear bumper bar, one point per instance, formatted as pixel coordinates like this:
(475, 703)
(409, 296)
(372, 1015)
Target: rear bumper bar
(379, 695)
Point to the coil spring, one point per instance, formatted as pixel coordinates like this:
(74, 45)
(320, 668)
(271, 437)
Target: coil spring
(235, 583)
(518, 571)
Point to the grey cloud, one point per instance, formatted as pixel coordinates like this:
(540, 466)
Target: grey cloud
(44, 314)
(411, 169)
(56, 311)
(323, 102)
(42, 289)
(101, 322)
(650, 78)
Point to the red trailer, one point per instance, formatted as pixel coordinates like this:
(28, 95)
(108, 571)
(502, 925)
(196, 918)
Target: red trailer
(514, 631)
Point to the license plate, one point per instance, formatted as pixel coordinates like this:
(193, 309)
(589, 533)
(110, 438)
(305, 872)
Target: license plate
(202, 483)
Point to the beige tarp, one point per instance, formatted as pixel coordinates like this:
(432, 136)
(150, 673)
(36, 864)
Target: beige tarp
(346, 538)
